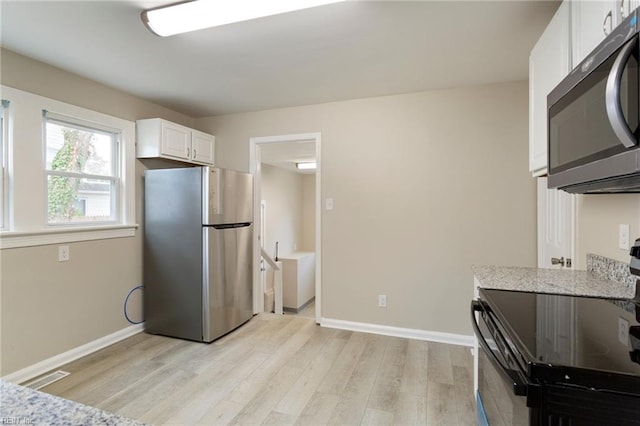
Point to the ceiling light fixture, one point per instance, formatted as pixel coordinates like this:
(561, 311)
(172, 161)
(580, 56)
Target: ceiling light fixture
(311, 165)
(199, 14)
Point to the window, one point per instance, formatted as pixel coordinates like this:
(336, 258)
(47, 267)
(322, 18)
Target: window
(81, 169)
(71, 173)
(4, 202)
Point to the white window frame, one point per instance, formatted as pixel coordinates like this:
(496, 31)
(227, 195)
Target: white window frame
(115, 173)
(4, 165)
(29, 219)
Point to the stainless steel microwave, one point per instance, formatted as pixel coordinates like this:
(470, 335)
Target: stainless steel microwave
(594, 118)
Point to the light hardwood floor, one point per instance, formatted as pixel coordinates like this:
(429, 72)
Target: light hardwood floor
(279, 370)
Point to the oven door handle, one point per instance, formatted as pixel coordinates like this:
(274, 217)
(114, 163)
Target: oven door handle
(612, 96)
(519, 386)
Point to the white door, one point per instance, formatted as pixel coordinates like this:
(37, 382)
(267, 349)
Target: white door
(555, 227)
(556, 318)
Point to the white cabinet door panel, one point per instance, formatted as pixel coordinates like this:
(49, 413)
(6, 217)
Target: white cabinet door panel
(591, 21)
(203, 147)
(176, 140)
(548, 65)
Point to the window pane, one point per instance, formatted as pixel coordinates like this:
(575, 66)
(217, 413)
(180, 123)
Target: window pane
(79, 200)
(80, 150)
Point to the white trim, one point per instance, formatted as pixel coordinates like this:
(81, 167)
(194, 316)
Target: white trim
(64, 235)
(254, 159)
(57, 361)
(408, 333)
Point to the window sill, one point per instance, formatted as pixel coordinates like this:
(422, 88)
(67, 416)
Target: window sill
(10, 239)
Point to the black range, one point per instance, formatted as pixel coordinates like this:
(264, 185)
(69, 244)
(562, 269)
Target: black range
(556, 359)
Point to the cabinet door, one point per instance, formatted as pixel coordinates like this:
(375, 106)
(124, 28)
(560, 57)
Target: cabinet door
(176, 140)
(202, 147)
(591, 21)
(548, 65)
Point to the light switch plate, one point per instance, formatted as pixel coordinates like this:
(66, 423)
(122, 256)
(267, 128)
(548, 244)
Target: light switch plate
(329, 203)
(623, 236)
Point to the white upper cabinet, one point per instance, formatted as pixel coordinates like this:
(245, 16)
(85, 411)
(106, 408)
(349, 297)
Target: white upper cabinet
(202, 147)
(175, 140)
(591, 22)
(158, 138)
(548, 64)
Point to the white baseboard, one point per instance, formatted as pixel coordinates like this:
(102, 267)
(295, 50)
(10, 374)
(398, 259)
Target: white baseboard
(54, 362)
(409, 333)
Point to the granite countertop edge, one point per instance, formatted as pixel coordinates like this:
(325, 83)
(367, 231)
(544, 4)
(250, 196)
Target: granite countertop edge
(21, 405)
(595, 282)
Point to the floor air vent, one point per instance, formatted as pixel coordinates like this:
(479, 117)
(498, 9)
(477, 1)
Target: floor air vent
(46, 380)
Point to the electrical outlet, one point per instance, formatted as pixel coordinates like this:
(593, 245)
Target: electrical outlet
(382, 300)
(623, 236)
(63, 253)
(623, 331)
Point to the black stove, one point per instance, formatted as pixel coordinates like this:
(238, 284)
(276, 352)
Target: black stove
(549, 359)
(580, 341)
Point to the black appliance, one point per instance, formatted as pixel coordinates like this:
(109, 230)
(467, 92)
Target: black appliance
(594, 118)
(557, 359)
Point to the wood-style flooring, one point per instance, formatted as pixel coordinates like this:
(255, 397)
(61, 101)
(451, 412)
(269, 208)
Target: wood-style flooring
(277, 370)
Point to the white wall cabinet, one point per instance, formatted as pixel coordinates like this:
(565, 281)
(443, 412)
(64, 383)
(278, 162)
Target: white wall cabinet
(591, 22)
(549, 63)
(158, 138)
(202, 147)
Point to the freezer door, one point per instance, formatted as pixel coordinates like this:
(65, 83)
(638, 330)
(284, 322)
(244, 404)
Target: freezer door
(228, 284)
(228, 196)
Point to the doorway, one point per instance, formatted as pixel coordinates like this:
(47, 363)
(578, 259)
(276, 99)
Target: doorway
(258, 148)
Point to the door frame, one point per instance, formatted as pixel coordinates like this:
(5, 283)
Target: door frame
(254, 167)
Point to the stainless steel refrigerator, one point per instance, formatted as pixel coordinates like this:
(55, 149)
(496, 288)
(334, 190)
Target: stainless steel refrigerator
(197, 252)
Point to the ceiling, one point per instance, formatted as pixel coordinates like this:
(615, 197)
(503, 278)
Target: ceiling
(329, 53)
(285, 155)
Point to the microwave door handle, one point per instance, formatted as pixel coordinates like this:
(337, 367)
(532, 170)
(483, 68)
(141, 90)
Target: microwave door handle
(612, 97)
(519, 387)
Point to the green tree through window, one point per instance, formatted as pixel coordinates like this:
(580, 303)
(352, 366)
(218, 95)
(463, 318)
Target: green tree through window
(63, 190)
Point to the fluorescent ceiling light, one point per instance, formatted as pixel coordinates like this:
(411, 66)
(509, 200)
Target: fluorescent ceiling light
(199, 14)
(311, 165)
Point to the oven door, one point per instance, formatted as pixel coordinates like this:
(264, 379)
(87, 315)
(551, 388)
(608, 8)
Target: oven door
(502, 386)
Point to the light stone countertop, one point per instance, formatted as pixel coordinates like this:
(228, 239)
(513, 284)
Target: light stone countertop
(554, 281)
(24, 406)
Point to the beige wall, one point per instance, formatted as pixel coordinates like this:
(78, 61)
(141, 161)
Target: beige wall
(282, 192)
(424, 185)
(49, 307)
(598, 220)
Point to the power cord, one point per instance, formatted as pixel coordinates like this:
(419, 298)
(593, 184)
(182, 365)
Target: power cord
(125, 305)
